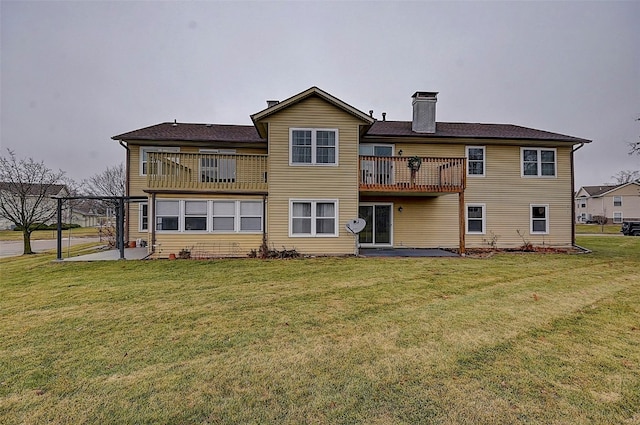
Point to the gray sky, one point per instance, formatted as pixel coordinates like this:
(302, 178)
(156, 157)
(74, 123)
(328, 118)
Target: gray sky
(73, 74)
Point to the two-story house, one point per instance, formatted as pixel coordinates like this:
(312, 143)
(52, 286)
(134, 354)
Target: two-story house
(615, 203)
(312, 162)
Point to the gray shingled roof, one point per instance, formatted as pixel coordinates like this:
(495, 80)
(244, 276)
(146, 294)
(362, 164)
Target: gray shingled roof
(599, 190)
(247, 133)
(194, 132)
(469, 130)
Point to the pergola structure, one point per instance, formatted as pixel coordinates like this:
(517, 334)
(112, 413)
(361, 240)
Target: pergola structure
(119, 201)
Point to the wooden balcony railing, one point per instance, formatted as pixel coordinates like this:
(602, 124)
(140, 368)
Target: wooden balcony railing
(191, 171)
(392, 174)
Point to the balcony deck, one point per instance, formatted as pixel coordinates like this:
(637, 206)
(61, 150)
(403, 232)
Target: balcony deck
(392, 175)
(230, 173)
(238, 173)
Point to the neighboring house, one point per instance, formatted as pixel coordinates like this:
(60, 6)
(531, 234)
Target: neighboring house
(312, 162)
(617, 203)
(56, 190)
(91, 213)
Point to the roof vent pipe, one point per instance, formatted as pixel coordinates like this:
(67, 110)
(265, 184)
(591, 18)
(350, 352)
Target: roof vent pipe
(175, 123)
(424, 112)
(371, 113)
(271, 103)
(384, 116)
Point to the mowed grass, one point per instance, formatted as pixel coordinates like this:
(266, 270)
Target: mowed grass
(589, 229)
(515, 338)
(80, 232)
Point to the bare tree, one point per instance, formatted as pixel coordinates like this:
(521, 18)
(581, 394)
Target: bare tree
(110, 182)
(626, 176)
(634, 147)
(26, 188)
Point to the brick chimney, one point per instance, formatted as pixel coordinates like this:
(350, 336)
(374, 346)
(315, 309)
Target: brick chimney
(424, 112)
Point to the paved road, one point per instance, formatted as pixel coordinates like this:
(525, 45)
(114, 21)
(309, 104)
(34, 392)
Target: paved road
(15, 248)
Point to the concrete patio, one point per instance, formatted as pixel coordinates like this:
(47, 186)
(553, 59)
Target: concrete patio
(111, 255)
(406, 252)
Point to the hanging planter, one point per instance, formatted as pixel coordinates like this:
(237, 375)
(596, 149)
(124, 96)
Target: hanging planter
(414, 163)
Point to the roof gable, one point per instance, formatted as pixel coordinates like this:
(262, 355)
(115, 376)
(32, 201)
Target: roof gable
(313, 91)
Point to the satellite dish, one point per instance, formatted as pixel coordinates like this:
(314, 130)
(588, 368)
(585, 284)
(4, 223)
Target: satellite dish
(355, 225)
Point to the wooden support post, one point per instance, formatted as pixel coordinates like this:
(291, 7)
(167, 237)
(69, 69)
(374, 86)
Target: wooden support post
(461, 220)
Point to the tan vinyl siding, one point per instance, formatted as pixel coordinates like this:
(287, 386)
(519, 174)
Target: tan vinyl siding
(424, 222)
(312, 182)
(203, 244)
(138, 183)
(433, 222)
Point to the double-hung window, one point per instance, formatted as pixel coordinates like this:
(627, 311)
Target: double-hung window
(476, 218)
(539, 219)
(617, 217)
(313, 218)
(475, 161)
(224, 216)
(250, 216)
(617, 201)
(237, 216)
(195, 215)
(159, 167)
(582, 202)
(218, 216)
(143, 209)
(538, 162)
(313, 146)
(167, 215)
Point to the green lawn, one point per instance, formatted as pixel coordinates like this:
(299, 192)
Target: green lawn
(515, 338)
(588, 229)
(12, 235)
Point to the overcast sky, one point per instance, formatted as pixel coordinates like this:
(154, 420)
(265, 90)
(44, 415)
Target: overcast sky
(73, 74)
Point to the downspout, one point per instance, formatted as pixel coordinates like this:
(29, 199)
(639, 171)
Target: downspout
(126, 190)
(264, 220)
(151, 221)
(573, 198)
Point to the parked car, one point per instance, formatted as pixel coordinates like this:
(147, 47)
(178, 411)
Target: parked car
(631, 228)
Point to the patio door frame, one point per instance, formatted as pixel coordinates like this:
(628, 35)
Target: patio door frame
(373, 230)
(378, 171)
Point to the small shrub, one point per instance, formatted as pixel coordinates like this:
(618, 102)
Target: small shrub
(184, 254)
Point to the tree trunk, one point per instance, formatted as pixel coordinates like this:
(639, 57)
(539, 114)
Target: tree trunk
(26, 237)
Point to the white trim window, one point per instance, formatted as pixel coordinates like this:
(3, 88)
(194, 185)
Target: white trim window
(195, 216)
(213, 216)
(476, 218)
(313, 218)
(538, 162)
(144, 158)
(250, 217)
(617, 201)
(223, 216)
(475, 161)
(313, 146)
(143, 216)
(582, 202)
(167, 215)
(539, 219)
(237, 216)
(617, 217)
